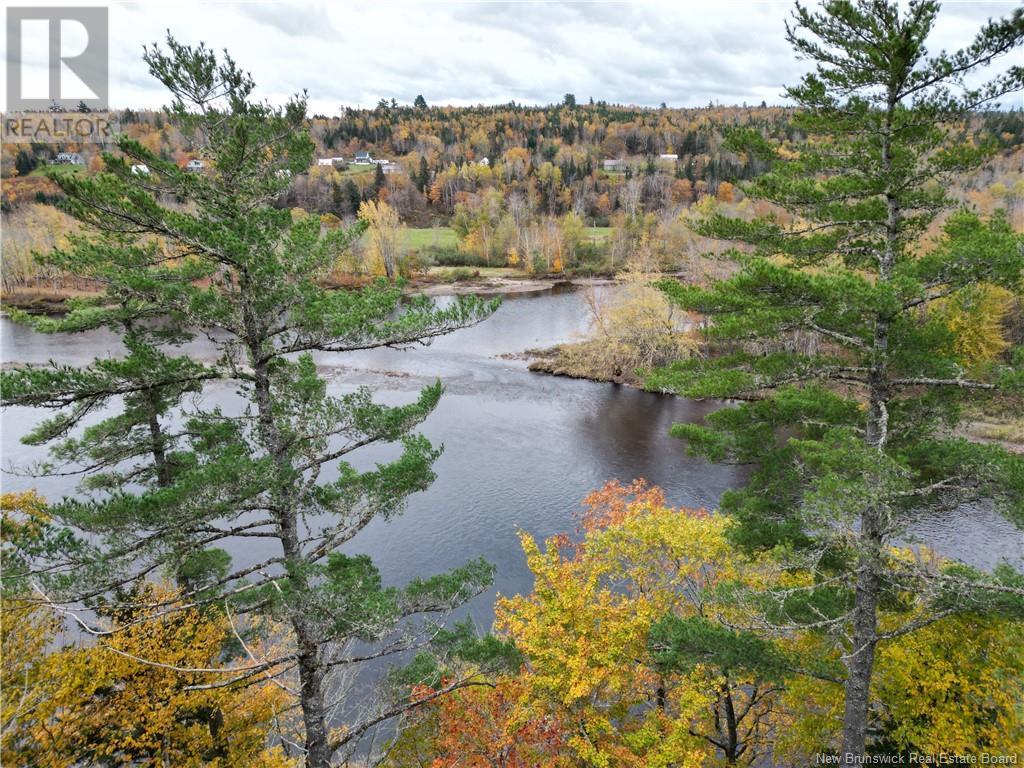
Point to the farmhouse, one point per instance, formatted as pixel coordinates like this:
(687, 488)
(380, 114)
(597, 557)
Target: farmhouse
(363, 158)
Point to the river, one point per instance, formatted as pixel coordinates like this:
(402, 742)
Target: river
(521, 449)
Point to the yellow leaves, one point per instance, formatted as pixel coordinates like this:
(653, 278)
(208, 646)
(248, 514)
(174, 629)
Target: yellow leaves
(975, 317)
(31, 229)
(585, 627)
(955, 686)
(636, 325)
(385, 231)
(124, 698)
(952, 687)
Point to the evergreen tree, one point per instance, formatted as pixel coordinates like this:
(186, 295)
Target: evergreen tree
(423, 180)
(854, 385)
(420, 102)
(355, 197)
(244, 274)
(25, 162)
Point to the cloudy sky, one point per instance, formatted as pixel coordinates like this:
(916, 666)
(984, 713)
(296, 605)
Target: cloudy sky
(684, 53)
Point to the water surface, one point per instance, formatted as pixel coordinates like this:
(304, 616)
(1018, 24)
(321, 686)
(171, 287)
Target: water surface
(521, 449)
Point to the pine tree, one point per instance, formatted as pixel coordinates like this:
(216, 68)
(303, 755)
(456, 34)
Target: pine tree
(226, 264)
(423, 180)
(854, 386)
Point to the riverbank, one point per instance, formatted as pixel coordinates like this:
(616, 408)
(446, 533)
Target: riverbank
(53, 301)
(583, 360)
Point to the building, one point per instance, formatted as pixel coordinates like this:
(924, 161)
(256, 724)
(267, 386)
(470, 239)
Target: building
(363, 158)
(486, 161)
(195, 165)
(69, 158)
(672, 158)
(390, 168)
(330, 161)
(613, 165)
(140, 169)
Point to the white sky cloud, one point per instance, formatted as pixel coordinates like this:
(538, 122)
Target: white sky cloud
(354, 53)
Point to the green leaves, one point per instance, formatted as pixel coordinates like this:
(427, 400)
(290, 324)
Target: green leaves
(680, 644)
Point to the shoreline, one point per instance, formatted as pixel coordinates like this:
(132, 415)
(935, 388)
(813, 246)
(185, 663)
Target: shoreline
(53, 301)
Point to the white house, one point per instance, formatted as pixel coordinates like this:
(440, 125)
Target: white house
(195, 165)
(612, 165)
(69, 158)
(330, 161)
(390, 168)
(668, 157)
(363, 158)
(485, 162)
(140, 169)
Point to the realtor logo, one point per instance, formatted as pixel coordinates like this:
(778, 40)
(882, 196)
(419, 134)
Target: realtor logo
(57, 58)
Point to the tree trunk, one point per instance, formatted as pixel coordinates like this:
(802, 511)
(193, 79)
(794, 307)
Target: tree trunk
(732, 733)
(311, 674)
(861, 662)
(311, 698)
(862, 659)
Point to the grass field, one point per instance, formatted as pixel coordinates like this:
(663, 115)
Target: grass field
(357, 170)
(41, 170)
(598, 233)
(439, 237)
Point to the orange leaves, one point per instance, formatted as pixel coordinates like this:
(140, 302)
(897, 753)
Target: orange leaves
(484, 726)
(615, 502)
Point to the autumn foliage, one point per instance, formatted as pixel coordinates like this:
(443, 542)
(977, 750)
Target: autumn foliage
(635, 657)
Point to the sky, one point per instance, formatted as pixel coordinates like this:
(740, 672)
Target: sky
(683, 53)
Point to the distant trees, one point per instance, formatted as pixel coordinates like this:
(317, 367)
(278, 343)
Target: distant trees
(25, 163)
(420, 102)
(384, 231)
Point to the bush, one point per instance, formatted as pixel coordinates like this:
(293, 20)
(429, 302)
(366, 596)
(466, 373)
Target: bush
(451, 257)
(458, 274)
(413, 264)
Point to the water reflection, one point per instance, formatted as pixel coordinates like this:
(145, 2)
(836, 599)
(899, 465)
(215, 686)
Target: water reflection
(521, 449)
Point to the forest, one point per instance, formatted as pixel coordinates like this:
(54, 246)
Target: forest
(226, 364)
(570, 189)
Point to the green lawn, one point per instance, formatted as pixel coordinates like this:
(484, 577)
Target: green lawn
(41, 170)
(598, 233)
(440, 237)
(357, 170)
